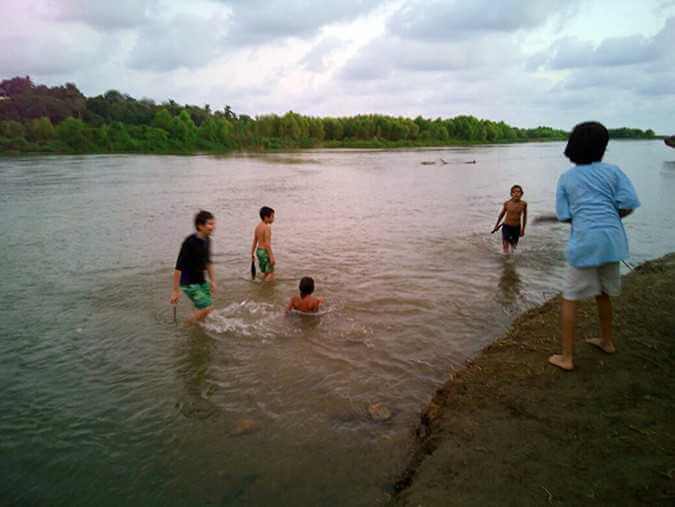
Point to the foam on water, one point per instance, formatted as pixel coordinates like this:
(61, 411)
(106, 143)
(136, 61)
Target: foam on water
(246, 319)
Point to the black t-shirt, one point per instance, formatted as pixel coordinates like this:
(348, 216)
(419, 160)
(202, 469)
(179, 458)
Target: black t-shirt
(195, 254)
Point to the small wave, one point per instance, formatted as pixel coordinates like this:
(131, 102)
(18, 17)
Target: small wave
(247, 319)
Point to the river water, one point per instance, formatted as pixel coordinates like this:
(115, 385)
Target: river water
(106, 401)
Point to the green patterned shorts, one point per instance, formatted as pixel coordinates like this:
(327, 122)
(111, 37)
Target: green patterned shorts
(199, 294)
(264, 261)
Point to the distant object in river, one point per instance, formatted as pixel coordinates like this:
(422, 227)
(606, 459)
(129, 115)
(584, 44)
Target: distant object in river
(670, 141)
(444, 162)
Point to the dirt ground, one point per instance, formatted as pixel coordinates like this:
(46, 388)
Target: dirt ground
(510, 429)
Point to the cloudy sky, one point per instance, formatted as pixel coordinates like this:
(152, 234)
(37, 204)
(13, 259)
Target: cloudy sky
(527, 62)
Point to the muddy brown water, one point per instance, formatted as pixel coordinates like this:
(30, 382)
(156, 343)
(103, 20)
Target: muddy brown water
(106, 401)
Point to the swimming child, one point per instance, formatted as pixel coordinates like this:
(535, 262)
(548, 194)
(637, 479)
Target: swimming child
(305, 302)
(512, 228)
(262, 244)
(195, 258)
(593, 197)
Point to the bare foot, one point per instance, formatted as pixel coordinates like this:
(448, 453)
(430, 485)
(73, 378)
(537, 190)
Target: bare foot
(602, 345)
(561, 362)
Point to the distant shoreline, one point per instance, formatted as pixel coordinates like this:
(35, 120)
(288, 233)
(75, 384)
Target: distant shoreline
(358, 145)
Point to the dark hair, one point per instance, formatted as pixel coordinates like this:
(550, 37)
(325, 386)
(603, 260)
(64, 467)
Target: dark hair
(265, 212)
(587, 143)
(518, 187)
(306, 285)
(202, 217)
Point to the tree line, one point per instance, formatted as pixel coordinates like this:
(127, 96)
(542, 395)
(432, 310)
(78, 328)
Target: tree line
(60, 119)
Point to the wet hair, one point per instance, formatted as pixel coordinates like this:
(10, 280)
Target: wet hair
(306, 286)
(587, 143)
(202, 217)
(265, 212)
(518, 187)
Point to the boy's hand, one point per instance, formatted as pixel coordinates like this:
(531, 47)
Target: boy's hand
(273, 260)
(213, 286)
(175, 296)
(494, 230)
(522, 232)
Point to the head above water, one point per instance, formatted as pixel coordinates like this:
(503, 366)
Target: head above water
(306, 286)
(266, 214)
(587, 143)
(204, 222)
(517, 189)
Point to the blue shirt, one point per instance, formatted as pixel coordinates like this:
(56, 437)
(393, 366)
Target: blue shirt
(591, 197)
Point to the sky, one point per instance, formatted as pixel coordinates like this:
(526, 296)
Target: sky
(525, 62)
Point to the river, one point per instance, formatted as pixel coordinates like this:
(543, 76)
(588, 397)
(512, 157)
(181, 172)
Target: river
(106, 401)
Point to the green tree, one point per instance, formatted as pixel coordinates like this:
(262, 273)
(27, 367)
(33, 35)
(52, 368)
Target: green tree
(71, 132)
(12, 129)
(41, 129)
(162, 120)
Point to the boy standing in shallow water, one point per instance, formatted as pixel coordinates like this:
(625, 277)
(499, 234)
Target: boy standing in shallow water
(305, 302)
(262, 244)
(512, 228)
(195, 258)
(593, 197)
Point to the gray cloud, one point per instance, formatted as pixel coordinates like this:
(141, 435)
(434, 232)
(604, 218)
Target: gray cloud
(259, 22)
(572, 53)
(388, 54)
(105, 15)
(184, 41)
(438, 19)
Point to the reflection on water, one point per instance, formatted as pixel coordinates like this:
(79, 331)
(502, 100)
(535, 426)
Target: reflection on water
(509, 282)
(258, 407)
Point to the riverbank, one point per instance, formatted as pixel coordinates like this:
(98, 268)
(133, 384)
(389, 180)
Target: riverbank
(509, 429)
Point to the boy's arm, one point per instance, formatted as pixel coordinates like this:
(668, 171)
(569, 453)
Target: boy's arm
(175, 290)
(499, 218)
(255, 244)
(522, 227)
(291, 304)
(212, 277)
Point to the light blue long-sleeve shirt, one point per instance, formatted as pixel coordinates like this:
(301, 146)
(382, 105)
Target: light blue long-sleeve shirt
(591, 197)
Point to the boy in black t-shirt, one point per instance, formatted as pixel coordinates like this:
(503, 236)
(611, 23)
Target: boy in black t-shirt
(195, 258)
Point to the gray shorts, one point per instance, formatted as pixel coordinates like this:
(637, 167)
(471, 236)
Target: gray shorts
(583, 283)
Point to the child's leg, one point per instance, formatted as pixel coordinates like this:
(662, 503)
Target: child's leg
(199, 315)
(606, 340)
(568, 317)
(505, 246)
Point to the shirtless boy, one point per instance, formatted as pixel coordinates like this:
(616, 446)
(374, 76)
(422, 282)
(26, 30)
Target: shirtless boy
(512, 228)
(262, 244)
(305, 302)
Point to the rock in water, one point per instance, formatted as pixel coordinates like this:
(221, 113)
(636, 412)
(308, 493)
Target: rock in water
(379, 412)
(244, 426)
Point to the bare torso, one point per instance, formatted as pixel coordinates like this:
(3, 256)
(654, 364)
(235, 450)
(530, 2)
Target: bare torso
(514, 210)
(263, 235)
(306, 304)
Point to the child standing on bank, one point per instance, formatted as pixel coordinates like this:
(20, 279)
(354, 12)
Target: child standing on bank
(593, 197)
(513, 227)
(305, 302)
(262, 244)
(195, 258)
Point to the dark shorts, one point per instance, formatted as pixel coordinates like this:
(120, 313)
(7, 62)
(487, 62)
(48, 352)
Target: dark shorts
(511, 233)
(199, 294)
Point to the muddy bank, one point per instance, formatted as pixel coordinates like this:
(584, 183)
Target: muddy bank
(510, 429)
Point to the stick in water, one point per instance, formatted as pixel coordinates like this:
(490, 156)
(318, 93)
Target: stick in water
(252, 270)
(175, 321)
